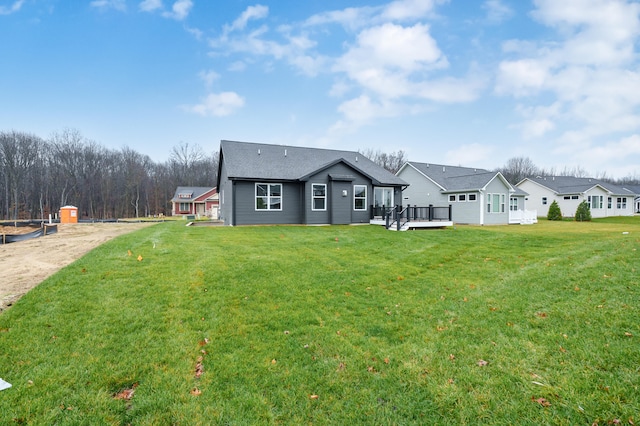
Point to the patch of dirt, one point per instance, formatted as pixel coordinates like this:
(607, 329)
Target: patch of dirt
(25, 264)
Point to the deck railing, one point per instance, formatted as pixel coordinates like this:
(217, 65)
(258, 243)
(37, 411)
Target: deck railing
(399, 216)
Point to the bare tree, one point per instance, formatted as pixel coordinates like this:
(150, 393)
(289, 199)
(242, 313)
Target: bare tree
(392, 161)
(518, 168)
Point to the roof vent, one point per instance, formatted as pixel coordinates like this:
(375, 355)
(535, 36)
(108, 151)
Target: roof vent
(356, 158)
(285, 152)
(258, 151)
(444, 169)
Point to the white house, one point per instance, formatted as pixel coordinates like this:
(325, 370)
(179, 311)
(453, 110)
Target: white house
(477, 196)
(605, 199)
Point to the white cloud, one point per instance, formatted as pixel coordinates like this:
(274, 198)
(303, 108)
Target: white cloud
(119, 5)
(8, 10)
(150, 5)
(497, 11)
(521, 77)
(591, 71)
(385, 57)
(180, 10)
(250, 13)
(401, 10)
(217, 105)
(209, 77)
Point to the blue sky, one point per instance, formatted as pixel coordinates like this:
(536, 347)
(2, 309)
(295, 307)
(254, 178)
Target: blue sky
(457, 82)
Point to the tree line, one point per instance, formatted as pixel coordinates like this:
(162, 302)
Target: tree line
(518, 168)
(38, 176)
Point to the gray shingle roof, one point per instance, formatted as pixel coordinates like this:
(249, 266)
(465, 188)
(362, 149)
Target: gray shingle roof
(453, 178)
(256, 161)
(194, 191)
(574, 185)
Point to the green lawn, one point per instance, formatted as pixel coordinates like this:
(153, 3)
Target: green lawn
(334, 325)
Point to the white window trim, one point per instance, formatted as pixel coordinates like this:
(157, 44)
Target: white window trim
(360, 198)
(268, 209)
(501, 203)
(475, 198)
(452, 198)
(313, 197)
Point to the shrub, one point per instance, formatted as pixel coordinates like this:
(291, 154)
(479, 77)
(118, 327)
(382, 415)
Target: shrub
(583, 213)
(554, 212)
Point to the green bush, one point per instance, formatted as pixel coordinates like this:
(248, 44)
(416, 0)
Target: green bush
(554, 212)
(583, 213)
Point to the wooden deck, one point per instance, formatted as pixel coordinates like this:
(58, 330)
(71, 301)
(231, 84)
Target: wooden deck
(417, 224)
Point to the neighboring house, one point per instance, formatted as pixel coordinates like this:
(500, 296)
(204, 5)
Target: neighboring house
(277, 184)
(195, 201)
(477, 196)
(636, 202)
(605, 199)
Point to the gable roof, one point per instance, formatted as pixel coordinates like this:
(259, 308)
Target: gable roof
(562, 185)
(186, 194)
(454, 179)
(256, 161)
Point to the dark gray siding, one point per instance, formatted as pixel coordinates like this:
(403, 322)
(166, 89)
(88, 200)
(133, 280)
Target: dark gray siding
(246, 213)
(339, 209)
(226, 197)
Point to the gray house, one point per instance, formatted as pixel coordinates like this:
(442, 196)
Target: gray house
(477, 196)
(278, 184)
(604, 199)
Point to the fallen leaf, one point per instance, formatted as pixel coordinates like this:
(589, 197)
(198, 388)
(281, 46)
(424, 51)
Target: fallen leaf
(139, 258)
(273, 361)
(195, 392)
(541, 314)
(452, 357)
(576, 288)
(628, 334)
(386, 360)
(371, 369)
(541, 401)
(199, 368)
(465, 300)
(314, 396)
(341, 366)
(450, 381)
(400, 278)
(126, 394)
(129, 252)
(482, 363)
(492, 309)
(563, 350)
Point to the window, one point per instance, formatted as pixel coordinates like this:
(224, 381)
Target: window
(452, 198)
(622, 203)
(472, 197)
(610, 202)
(268, 196)
(359, 197)
(319, 197)
(496, 203)
(513, 204)
(567, 197)
(462, 197)
(184, 207)
(544, 201)
(595, 201)
(574, 197)
(382, 197)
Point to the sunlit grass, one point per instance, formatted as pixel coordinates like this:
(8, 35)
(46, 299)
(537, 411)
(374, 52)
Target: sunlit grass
(334, 325)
